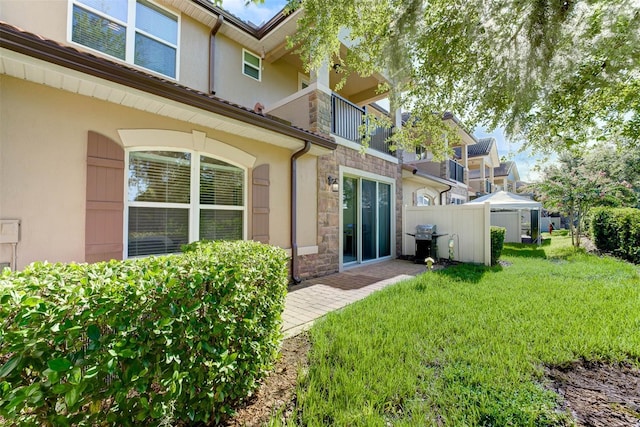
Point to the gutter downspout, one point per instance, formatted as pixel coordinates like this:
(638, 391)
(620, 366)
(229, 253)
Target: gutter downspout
(212, 52)
(444, 191)
(294, 213)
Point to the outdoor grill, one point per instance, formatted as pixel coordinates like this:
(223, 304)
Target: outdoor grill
(426, 242)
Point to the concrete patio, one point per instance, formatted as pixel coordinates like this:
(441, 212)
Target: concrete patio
(316, 297)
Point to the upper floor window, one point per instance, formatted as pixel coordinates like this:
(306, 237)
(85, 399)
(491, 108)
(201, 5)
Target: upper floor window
(251, 65)
(136, 31)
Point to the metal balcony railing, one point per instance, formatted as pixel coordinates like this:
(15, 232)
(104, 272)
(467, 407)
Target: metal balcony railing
(456, 171)
(347, 119)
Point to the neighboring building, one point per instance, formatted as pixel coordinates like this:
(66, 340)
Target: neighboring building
(483, 159)
(425, 180)
(132, 127)
(506, 176)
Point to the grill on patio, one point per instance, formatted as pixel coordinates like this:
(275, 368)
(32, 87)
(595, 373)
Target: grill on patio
(426, 242)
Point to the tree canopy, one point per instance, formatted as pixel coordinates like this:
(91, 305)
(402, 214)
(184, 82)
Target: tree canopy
(553, 73)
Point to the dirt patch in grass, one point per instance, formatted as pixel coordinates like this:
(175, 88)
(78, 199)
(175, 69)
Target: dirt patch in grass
(276, 395)
(599, 395)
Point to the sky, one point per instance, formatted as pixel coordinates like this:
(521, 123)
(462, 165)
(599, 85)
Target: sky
(257, 14)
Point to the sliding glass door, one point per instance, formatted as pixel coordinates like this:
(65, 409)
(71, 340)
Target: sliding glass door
(366, 220)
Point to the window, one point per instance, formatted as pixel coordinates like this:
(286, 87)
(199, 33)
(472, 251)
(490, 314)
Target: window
(251, 65)
(178, 197)
(423, 199)
(303, 81)
(135, 31)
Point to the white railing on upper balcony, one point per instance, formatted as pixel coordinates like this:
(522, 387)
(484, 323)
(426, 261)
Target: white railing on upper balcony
(347, 119)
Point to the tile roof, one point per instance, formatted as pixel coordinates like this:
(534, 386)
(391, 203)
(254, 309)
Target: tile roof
(482, 148)
(504, 169)
(24, 42)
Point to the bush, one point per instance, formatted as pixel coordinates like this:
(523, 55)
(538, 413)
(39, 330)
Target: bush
(497, 243)
(145, 341)
(617, 231)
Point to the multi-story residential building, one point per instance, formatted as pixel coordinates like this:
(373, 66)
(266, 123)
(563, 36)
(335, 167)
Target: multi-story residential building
(483, 159)
(438, 182)
(507, 177)
(130, 127)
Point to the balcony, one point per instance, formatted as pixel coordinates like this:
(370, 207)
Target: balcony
(346, 118)
(456, 171)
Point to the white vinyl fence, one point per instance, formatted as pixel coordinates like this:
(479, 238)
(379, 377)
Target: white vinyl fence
(511, 221)
(468, 226)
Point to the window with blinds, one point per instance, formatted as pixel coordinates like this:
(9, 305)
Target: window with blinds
(178, 197)
(135, 31)
(251, 65)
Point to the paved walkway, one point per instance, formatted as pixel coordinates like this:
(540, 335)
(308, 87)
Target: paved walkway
(316, 297)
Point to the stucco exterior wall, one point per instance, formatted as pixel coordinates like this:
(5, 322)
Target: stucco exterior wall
(279, 79)
(47, 18)
(43, 141)
(410, 188)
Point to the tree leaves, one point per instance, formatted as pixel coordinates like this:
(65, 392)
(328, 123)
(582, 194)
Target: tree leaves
(554, 73)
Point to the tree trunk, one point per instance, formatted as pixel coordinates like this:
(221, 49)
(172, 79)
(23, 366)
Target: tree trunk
(572, 228)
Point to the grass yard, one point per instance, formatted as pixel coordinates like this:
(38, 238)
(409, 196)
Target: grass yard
(467, 346)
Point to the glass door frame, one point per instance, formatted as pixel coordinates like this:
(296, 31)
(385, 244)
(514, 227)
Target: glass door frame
(360, 175)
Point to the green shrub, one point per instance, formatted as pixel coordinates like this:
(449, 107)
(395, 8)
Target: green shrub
(140, 342)
(617, 231)
(497, 242)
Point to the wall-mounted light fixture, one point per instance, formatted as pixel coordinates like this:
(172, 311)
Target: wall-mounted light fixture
(336, 67)
(333, 183)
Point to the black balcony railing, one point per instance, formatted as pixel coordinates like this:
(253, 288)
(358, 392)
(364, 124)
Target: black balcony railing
(456, 171)
(347, 120)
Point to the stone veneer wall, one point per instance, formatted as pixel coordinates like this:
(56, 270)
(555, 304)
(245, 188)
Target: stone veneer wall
(326, 261)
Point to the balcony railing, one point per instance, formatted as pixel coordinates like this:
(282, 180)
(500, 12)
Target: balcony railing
(456, 171)
(347, 119)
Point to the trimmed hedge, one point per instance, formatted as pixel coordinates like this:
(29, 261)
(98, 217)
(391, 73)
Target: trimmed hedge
(617, 231)
(497, 243)
(140, 342)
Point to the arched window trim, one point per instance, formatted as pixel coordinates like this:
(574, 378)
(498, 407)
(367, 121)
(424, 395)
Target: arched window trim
(194, 206)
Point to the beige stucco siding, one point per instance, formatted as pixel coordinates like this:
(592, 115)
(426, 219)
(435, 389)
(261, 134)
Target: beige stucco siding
(194, 54)
(279, 79)
(47, 18)
(410, 189)
(43, 141)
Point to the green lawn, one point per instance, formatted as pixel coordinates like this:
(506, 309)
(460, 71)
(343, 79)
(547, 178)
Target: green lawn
(466, 346)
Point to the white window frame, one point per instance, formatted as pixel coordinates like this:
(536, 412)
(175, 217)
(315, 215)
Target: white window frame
(457, 200)
(422, 193)
(303, 79)
(131, 31)
(194, 206)
(259, 69)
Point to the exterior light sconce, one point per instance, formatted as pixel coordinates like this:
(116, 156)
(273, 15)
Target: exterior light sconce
(333, 183)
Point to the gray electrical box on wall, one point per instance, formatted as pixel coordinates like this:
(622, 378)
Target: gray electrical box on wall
(9, 230)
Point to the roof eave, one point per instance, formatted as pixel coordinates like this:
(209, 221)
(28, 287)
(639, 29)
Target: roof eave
(39, 48)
